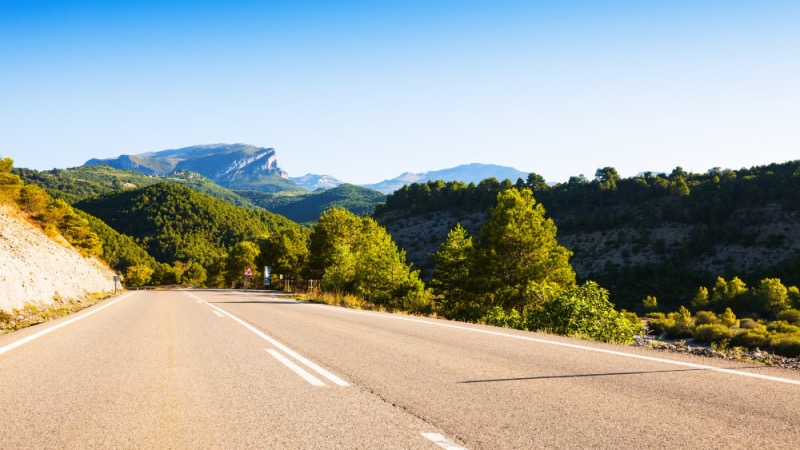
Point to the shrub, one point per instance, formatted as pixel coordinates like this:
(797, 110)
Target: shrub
(787, 345)
(705, 318)
(750, 323)
(709, 333)
(751, 339)
(650, 303)
(660, 326)
(728, 318)
(655, 315)
(684, 324)
(780, 326)
(501, 318)
(791, 316)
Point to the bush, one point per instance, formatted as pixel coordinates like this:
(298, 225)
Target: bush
(751, 339)
(660, 326)
(728, 318)
(655, 315)
(705, 318)
(709, 333)
(780, 326)
(750, 323)
(684, 324)
(787, 345)
(500, 318)
(791, 316)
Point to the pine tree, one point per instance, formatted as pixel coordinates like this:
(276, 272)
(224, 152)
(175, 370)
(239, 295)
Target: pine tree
(452, 274)
(519, 250)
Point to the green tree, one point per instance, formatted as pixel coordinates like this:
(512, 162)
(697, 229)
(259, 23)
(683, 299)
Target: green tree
(728, 318)
(650, 303)
(241, 256)
(33, 200)
(286, 252)
(454, 260)
(335, 227)
(700, 299)
(607, 178)
(138, 275)
(773, 295)
(518, 249)
(10, 184)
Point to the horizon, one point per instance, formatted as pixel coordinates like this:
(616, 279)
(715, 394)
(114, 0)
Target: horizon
(362, 91)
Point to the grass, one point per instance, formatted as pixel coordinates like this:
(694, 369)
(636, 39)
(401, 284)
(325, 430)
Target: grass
(33, 313)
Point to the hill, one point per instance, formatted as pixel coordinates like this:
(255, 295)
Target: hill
(176, 223)
(82, 182)
(661, 235)
(306, 208)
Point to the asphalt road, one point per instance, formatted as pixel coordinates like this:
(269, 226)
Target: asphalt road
(222, 369)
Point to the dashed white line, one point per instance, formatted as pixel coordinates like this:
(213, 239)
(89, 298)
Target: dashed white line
(441, 441)
(16, 344)
(300, 358)
(296, 369)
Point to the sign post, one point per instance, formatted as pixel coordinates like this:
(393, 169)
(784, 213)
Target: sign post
(247, 275)
(266, 275)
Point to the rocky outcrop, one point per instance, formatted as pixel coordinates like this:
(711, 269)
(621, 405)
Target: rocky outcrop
(35, 269)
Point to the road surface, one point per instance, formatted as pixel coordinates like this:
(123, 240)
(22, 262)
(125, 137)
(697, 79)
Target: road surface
(228, 369)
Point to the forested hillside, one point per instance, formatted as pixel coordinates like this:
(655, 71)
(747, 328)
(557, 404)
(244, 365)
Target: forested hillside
(308, 207)
(662, 235)
(82, 182)
(176, 224)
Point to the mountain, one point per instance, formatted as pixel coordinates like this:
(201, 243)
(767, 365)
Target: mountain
(235, 166)
(313, 182)
(306, 208)
(467, 173)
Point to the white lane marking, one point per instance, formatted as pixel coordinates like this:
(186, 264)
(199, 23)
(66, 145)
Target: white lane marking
(218, 313)
(441, 441)
(305, 361)
(564, 344)
(14, 345)
(198, 301)
(296, 369)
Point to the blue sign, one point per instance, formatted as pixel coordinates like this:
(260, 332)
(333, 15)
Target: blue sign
(266, 275)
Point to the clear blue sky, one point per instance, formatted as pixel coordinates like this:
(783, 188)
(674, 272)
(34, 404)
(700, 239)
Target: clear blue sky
(366, 90)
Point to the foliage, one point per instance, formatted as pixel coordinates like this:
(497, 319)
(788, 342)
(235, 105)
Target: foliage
(650, 303)
(285, 252)
(307, 207)
(709, 333)
(452, 276)
(583, 310)
(138, 275)
(355, 255)
(791, 316)
(10, 184)
(728, 318)
(241, 256)
(175, 223)
(705, 318)
(518, 248)
(787, 345)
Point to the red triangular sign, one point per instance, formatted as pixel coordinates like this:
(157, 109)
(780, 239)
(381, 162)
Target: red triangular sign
(248, 273)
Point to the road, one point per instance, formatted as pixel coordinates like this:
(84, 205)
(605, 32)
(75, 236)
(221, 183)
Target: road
(226, 369)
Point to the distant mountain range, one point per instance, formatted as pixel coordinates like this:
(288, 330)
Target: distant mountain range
(467, 173)
(247, 167)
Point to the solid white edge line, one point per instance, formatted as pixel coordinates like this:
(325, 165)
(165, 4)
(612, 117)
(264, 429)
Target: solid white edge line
(218, 313)
(25, 340)
(305, 361)
(575, 346)
(441, 441)
(296, 369)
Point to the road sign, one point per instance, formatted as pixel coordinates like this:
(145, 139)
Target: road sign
(266, 275)
(248, 273)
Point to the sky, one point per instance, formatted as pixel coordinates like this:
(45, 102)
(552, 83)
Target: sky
(365, 90)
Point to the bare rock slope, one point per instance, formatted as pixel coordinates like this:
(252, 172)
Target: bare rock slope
(34, 268)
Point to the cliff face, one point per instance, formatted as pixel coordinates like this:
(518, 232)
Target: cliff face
(225, 164)
(34, 268)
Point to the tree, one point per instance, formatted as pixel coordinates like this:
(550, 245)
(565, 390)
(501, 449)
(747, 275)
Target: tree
(10, 184)
(773, 295)
(452, 274)
(700, 299)
(536, 182)
(607, 178)
(650, 303)
(335, 227)
(728, 318)
(138, 275)
(518, 248)
(285, 252)
(241, 256)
